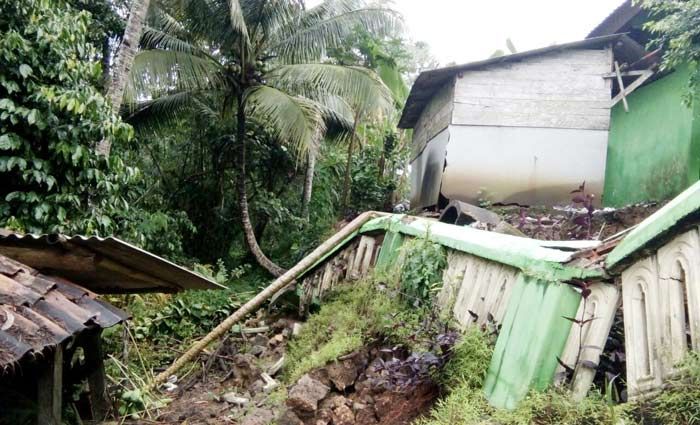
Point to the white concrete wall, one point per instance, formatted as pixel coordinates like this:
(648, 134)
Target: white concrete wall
(524, 165)
(661, 299)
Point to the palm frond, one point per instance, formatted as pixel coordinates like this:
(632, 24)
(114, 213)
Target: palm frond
(360, 87)
(237, 18)
(309, 41)
(336, 112)
(156, 39)
(158, 71)
(163, 21)
(153, 116)
(293, 120)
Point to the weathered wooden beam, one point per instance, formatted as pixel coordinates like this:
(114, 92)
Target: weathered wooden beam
(50, 258)
(632, 87)
(622, 86)
(94, 362)
(635, 73)
(50, 389)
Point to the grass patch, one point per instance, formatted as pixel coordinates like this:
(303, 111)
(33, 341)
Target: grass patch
(463, 377)
(679, 403)
(469, 361)
(346, 321)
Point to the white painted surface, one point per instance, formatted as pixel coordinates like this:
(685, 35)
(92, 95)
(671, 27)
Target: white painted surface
(475, 291)
(558, 90)
(679, 278)
(661, 330)
(642, 317)
(586, 342)
(524, 165)
(426, 172)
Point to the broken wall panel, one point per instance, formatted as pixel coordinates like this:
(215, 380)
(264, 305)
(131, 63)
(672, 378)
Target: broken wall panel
(661, 295)
(533, 335)
(588, 337)
(352, 263)
(640, 298)
(426, 171)
(475, 291)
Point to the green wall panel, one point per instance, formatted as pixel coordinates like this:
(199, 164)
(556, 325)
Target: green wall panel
(533, 335)
(653, 151)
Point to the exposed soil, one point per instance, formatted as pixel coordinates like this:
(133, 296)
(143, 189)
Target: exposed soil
(572, 224)
(229, 387)
(353, 391)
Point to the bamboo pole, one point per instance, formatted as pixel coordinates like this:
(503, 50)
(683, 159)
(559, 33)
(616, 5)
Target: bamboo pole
(259, 299)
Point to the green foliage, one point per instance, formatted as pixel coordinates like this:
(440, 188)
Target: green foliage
(463, 376)
(422, 262)
(51, 117)
(345, 322)
(189, 314)
(556, 406)
(679, 403)
(469, 360)
(675, 25)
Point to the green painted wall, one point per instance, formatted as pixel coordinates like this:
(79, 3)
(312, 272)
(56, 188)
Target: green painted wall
(654, 149)
(533, 335)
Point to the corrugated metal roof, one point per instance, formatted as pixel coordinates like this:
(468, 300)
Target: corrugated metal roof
(429, 81)
(39, 311)
(616, 22)
(104, 265)
(678, 215)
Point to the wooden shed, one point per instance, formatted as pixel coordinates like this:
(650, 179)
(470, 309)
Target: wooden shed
(51, 317)
(525, 128)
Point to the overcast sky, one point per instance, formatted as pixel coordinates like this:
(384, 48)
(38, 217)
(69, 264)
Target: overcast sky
(467, 30)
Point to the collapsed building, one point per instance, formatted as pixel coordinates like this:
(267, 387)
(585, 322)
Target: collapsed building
(554, 302)
(528, 128)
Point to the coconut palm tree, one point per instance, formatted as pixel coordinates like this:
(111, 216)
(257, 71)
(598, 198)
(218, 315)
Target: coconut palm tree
(125, 59)
(260, 61)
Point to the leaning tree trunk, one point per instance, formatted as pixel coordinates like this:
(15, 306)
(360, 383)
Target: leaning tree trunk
(124, 60)
(277, 285)
(248, 230)
(308, 183)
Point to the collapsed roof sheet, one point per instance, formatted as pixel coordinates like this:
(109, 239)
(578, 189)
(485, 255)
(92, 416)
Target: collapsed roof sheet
(104, 265)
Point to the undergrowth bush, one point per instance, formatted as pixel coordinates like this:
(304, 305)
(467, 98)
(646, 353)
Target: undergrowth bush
(463, 377)
(421, 262)
(343, 324)
(679, 403)
(469, 362)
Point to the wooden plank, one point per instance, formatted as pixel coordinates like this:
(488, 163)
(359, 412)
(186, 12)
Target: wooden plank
(536, 119)
(532, 91)
(636, 73)
(99, 400)
(587, 108)
(50, 389)
(434, 118)
(632, 87)
(368, 255)
(622, 86)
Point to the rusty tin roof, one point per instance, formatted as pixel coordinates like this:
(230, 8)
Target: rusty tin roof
(38, 311)
(104, 265)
